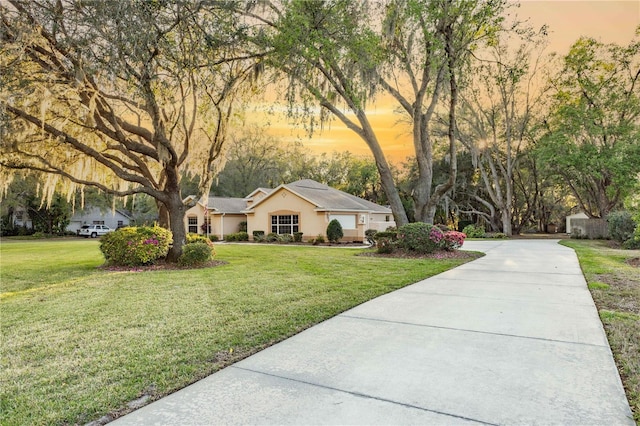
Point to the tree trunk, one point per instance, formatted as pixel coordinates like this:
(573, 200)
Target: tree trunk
(176, 211)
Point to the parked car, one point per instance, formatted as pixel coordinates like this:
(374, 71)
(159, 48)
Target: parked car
(93, 231)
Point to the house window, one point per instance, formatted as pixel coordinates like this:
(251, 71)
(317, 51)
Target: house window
(347, 221)
(120, 224)
(98, 222)
(193, 224)
(387, 218)
(284, 224)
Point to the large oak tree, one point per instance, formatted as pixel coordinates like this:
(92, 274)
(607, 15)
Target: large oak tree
(122, 96)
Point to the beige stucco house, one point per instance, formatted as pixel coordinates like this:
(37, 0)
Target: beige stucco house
(303, 206)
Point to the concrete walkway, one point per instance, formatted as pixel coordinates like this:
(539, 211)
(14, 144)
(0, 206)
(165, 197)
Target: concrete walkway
(511, 338)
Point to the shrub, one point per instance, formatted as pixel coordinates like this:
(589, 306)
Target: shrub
(385, 245)
(258, 236)
(386, 234)
(621, 225)
(195, 238)
(473, 231)
(133, 246)
(213, 238)
(499, 235)
(297, 237)
(370, 235)
(242, 226)
(334, 231)
(285, 238)
(195, 253)
(419, 237)
(272, 237)
(452, 240)
(238, 236)
(319, 240)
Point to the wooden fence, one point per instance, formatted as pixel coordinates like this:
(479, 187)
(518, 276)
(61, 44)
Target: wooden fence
(592, 229)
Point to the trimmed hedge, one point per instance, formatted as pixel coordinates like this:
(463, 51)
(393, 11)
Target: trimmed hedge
(419, 237)
(473, 231)
(238, 236)
(136, 246)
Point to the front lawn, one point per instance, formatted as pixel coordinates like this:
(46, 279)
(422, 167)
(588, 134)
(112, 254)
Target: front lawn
(614, 283)
(79, 342)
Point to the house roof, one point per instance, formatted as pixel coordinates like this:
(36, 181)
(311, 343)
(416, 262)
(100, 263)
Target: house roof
(226, 205)
(326, 198)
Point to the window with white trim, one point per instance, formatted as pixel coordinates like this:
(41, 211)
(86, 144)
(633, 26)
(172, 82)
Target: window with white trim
(284, 224)
(347, 221)
(192, 221)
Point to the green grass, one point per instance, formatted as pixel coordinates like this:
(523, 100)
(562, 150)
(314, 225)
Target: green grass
(615, 287)
(80, 342)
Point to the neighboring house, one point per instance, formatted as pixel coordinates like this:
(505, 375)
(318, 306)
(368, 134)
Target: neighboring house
(303, 206)
(20, 217)
(114, 219)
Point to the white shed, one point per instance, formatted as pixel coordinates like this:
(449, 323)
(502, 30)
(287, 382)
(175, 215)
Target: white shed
(581, 215)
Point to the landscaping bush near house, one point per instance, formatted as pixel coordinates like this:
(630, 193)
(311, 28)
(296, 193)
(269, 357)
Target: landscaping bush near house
(258, 236)
(370, 236)
(334, 231)
(621, 225)
(135, 246)
(319, 240)
(419, 237)
(473, 231)
(285, 238)
(272, 237)
(242, 226)
(213, 238)
(385, 245)
(238, 236)
(196, 253)
(297, 237)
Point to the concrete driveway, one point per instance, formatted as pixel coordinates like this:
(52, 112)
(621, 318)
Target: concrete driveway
(511, 338)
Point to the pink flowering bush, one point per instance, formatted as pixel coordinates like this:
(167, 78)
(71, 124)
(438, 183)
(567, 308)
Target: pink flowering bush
(135, 246)
(452, 240)
(419, 237)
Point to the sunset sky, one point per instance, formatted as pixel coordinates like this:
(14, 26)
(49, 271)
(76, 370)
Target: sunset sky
(606, 21)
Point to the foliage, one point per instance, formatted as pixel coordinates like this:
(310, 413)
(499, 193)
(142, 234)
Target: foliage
(319, 240)
(370, 236)
(621, 225)
(213, 238)
(285, 238)
(132, 246)
(128, 104)
(271, 237)
(238, 236)
(498, 235)
(297, 237)
(385, 245)
(419, 237)
(334, 231)
(473, 231)
(196, 238)
(593, 130)
(242, 226)
(258, 236)
(196, 253)
(452, 240)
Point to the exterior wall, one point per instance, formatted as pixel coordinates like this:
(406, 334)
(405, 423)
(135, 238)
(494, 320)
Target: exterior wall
(311, 223)
(590, 228)
(381, 221)
(226, 224)
(111, 219)
(196, 211)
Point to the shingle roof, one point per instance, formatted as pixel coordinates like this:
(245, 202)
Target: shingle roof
(328, 198)
(226, 205)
